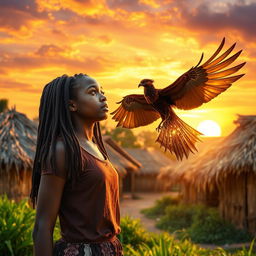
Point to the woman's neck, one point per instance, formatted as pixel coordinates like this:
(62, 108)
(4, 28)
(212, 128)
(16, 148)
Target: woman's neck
(83, 130)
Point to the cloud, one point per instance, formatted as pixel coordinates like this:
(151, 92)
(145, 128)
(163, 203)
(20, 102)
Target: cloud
(50, 50)
(128, 5)
(14, 13)
(12, 85)
(53, 56)
(239, 17)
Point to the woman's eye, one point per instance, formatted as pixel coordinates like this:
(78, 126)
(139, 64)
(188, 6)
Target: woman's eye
(93, 92)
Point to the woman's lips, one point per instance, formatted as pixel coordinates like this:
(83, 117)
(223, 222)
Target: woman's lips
(105, 108)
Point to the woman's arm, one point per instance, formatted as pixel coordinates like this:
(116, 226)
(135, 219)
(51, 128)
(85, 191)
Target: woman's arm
(48, 203)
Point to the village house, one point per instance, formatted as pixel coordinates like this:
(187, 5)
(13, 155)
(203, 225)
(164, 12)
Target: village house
(18, 144)
(152, 160)
(226, 174)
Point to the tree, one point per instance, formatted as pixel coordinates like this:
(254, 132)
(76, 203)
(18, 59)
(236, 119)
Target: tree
(124, 137)
(105, 129)
(3, 105)
(147, 139)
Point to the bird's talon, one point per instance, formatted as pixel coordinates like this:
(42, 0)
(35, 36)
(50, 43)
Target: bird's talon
(159, 127)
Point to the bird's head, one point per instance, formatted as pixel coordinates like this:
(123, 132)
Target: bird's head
(146, 82)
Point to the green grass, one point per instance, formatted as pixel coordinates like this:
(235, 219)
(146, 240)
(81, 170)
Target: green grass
(160, 206)
(17, 221)
(199, 223)
(137, 241)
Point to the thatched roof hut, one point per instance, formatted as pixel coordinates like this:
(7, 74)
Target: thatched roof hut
(229, 166)
(235, 155)
(152, 161)
(185, 174)
(18, 143)
(233, 168)
(124, 163)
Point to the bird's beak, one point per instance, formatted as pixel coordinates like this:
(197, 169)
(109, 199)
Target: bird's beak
(139, 85)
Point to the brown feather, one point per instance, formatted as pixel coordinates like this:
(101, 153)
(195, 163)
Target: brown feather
(224, 63)
(216, 53)
(219, 59)
(225, 72)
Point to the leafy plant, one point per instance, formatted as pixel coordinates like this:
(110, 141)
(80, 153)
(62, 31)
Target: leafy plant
(198, 222)
(177, 217)
(160, 206)
(15, 227)
(209, 227)
(17, 219)
(132, 231)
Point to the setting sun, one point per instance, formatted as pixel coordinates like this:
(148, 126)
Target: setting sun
(209, 128)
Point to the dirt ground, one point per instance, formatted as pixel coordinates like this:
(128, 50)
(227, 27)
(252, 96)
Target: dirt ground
(132, 207)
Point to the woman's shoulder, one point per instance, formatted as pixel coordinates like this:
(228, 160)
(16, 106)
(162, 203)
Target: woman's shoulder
(59, 155)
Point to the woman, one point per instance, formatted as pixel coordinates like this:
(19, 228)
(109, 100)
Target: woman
(72, 175)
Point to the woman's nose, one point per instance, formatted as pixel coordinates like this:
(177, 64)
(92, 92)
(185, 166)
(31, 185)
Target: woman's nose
(103, 98)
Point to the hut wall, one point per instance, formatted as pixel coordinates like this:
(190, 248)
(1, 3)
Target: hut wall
(120, 181)
(16, 187)
(237, 200)
(189, 195)
(251, 202)
(148, 183)
(192, 195)
(127, 182)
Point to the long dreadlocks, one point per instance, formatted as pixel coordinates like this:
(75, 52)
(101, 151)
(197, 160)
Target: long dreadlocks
(55, 120)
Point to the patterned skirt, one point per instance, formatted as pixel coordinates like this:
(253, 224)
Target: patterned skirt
(112, 247)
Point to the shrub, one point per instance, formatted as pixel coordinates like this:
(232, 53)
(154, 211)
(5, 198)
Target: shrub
(166, 245)
(198, 222)
(177, 217)
(15, 227)
(160, 205)
(209, 227)
(132, 232)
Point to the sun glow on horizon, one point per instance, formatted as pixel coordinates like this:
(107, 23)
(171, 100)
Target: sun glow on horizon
(209, 128)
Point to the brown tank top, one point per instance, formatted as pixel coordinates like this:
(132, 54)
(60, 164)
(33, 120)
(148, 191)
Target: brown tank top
(89, 212)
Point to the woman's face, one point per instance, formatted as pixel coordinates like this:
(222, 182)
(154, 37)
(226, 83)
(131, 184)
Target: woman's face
(89, 102)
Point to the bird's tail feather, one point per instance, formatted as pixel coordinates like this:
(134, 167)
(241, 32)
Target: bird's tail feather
(177, 136)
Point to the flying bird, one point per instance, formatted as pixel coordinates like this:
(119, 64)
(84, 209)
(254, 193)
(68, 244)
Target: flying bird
(198, 85)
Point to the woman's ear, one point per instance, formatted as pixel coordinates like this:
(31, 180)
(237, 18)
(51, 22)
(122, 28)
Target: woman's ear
(72, 106)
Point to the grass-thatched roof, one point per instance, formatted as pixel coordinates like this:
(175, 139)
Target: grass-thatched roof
(236, 153)
(18, 144)
(124, 153)
(17, 140)
(182, 171)
(233, 154)
(238, 150)
(121, 162)
(152, 160)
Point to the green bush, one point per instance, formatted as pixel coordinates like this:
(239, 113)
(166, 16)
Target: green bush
(209, 227)
(132, 232)
(17, 221)
(177, 217)
(160, 205)
(15, 227)
(165, 245)
(198, 222)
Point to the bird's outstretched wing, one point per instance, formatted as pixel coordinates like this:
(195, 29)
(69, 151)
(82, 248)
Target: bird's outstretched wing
(202, 83)
(134, 111)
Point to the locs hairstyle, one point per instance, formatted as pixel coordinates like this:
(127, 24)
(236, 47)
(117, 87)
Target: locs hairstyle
(54, 121)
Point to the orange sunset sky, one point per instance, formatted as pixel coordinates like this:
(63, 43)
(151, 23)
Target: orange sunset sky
(121, 42)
